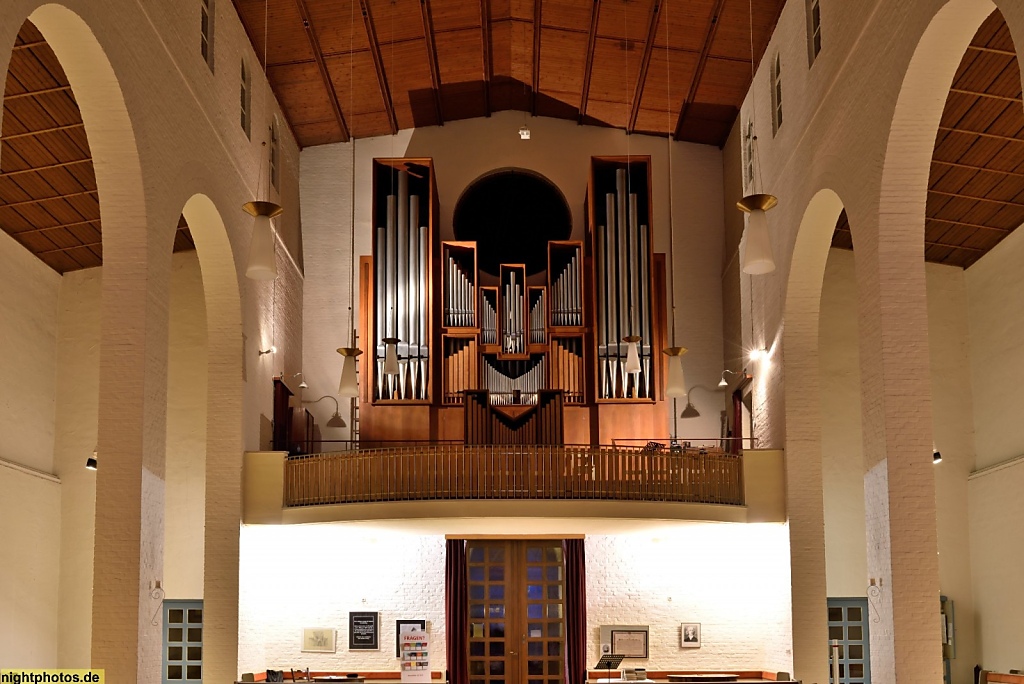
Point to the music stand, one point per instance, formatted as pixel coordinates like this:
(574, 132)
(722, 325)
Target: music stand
(609, 662)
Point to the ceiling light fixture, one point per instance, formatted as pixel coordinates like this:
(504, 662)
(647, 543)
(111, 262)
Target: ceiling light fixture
(632, 354)
(675, 383)
(262, 264)
(335, 421)
(349, 386)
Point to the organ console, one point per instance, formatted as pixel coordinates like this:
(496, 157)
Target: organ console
(512, 340)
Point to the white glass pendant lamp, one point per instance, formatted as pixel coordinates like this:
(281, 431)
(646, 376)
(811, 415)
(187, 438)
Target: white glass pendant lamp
(262, 264)
(757, 253)
(349, 387)
(632, 353)
(675, 383)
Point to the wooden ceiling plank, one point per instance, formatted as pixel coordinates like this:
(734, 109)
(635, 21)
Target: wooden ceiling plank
(318, 55)
(976, 199)
(485, 33)
(42, 131)
(37, 93)
(588, 69)
(709, 38)
(994, 51)
(978, 93)
(36, 169)
(979, 226)
(435, 69)
(378, 65)
(645, 63)
(537, 23)
(980, 134)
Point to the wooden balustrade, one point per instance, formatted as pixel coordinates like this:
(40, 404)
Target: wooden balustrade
(458, 471)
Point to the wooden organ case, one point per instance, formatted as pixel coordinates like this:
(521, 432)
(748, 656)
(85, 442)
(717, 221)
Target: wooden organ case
(512, 357)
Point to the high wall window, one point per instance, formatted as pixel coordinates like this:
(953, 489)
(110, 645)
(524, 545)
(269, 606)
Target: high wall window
(813, 29)
(748, 150)
(183, 642)
(246, 97)
(776, 77)
(275, 154)
(206, 31)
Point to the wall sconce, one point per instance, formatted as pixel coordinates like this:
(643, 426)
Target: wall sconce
(262, 264)
(675, 385)
(302, 385)
(759, 355)
(936, 456)
(269, 350)
(335, 421)
(723, 383)
(691, 411)
(91, 463)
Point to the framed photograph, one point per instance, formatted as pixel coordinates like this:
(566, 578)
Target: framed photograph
(631, 643)
(364, 631)
(318, 640)
(420, 624)
(689, 635)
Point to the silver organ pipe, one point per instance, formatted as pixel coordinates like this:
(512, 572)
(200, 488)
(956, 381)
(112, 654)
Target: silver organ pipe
(537, 315)
(514, 382)
(402, 297)
(512, 306)
(623, 294)
(566, 299)
(488, 319)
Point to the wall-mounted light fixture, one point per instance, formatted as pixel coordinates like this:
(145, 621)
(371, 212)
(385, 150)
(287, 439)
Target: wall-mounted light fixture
(302, 385)
(335, 421)
(691, 411)
(91, 463)
(269, 350)
(723, 383)
(936, 456)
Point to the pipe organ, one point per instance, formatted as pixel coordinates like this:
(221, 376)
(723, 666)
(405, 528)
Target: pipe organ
(503, 335)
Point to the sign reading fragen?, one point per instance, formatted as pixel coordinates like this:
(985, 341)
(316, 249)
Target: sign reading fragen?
(415, 644)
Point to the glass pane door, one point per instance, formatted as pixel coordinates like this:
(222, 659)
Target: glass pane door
(516, 612)
(848, 624)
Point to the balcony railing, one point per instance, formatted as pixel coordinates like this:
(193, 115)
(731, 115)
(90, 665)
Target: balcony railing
(450, 471)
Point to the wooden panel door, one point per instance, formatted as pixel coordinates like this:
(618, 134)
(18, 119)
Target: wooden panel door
(516, 612)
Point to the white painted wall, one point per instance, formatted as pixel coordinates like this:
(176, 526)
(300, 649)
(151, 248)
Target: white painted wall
(996, 508)
(300, 576)
(845, 541)
(465, 150)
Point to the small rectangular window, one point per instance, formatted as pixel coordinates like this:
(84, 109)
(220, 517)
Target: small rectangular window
(275, 154)
(183, 657)
(246, 99)
(206, 31)
(749, 151)
(776, 78)
(813, 29)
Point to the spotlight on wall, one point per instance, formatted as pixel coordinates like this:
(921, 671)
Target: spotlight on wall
(936, 456)
(335, 421)
(269, 350)
(524, 132)
(758, 355)
(723, 383)
(91, 462)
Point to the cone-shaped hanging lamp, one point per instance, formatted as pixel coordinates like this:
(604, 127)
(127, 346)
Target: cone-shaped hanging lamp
(262, 264)
(675, 383)
(757, 253)
(349, 387)
(391, 356)
(632, 354)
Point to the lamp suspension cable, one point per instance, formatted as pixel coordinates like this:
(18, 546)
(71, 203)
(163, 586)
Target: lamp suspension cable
(349, 383)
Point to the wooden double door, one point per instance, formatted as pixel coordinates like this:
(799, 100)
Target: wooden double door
(516, 612)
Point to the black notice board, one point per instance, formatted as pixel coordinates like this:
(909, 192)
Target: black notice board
(364, 631)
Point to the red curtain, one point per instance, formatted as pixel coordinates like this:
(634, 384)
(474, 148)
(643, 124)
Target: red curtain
(575, 611)
(456, 611)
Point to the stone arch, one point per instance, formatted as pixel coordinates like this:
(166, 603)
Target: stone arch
(804, 500)
(128, 546)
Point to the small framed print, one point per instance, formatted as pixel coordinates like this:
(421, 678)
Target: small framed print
(631, 643)
(689, 635)
(318, 640)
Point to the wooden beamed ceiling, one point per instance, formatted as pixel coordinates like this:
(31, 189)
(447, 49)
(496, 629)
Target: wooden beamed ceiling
(976, 183)
(48, 197)
(362, 68)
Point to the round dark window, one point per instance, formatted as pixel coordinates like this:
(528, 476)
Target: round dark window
(512, 214)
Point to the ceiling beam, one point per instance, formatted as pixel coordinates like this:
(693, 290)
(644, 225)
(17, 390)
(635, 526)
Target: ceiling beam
(645, 63)
(42, 131)
(588, 66)
(974, 198)
(994, 51)
(981, 134)
(40, 200)
(34, 93)
(485, 41)
(978, 93)
(29, 44)
(85, 245)
(698, 73)
(378, 64)
(435, 70)
(325, 75)
(971, 167)
(933, 243)
(536, 56)
(46, 167)
(56, 227)
(979, 226)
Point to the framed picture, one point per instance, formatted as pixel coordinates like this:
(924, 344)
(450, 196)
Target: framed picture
(689, 635)
(318, 640)
(421, 624)
(363, 631)
(631, 643)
